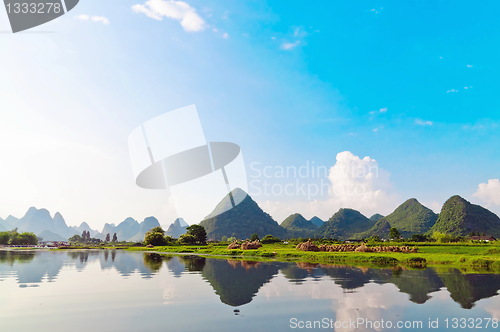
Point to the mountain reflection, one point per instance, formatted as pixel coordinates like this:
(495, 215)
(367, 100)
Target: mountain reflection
(237, 282)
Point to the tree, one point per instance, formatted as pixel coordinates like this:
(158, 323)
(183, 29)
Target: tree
(187, 239)
(157, 229)
(108, 237)
(155, 239)
(270, 239)
(28, 239)
(4, 238)
(254, 237)
(75, 239)
(198, 232)
(419, 238)
(115, 238)
(394, 234)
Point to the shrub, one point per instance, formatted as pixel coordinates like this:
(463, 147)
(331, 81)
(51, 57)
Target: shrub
(155, 239)
(270, 239)
(187, 239)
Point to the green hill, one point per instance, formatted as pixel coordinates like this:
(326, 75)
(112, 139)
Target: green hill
(460, 218)
(297, 222)
(298, 226)
(411, 217)
(317, 221)
(376, 217)
(381, 229)
(241, 221)
(344, 224)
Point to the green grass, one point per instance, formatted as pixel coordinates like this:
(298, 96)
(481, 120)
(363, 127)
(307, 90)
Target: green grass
(481, 256)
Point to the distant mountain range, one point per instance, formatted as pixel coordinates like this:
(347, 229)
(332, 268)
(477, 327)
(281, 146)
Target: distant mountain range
(458, 217)
(178, 228)
(40, 222)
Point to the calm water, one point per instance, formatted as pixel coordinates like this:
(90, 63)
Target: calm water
(123, 291)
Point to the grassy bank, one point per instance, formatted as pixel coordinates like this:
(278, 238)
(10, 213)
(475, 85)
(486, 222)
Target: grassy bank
(479, 256)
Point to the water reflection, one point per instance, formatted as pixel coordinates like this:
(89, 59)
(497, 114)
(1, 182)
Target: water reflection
(236, 282)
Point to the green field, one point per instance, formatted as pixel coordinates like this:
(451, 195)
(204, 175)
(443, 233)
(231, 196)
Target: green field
(484, 257)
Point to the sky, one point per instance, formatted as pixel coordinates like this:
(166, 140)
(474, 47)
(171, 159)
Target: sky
(357, 104)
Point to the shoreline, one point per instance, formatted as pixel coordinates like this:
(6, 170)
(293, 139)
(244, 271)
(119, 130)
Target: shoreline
(476, 257)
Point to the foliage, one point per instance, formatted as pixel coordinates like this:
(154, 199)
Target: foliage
(394, 233)
(115, 238)
(17, 239)
(83, 239)
(155, 237)
(231, 239)
(76, 239)
(442, 237)
(254, 237)
(157, 229)
(187, 239)
(108, 237)
(270, 239)
(198, 233)
(419, 238)
(374, 239)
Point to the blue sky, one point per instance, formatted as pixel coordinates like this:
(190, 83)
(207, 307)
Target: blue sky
(411, 84)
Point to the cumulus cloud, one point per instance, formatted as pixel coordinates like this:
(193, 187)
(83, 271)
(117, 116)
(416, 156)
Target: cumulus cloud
(489, 192)
(99, 19)
(359, 183)
(176, 10)
(451, 91)
(423, 122)
(354, 182)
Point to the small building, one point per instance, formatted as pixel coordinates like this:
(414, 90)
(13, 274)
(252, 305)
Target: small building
(353, 241)
(485, 238)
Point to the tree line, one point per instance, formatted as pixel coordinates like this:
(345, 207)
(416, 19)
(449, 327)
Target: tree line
(14, 238)
(86, 238)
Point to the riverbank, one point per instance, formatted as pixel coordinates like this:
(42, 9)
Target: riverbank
(473, 256)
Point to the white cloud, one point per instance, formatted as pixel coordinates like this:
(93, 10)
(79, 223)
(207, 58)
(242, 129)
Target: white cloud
(377, 10)
(423, 122)
(225, 35)
(287, 46)
(298, 36)
(359, 183)
(356, 183)
(469, 66)
(379, 111)
(99, 19)
(451, 91)
(176, 10)
(489, 192)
